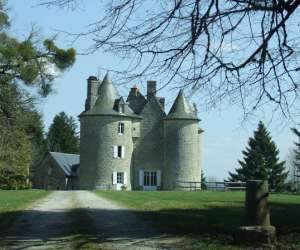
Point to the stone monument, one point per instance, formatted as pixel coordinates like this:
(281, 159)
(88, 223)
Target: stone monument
(258, 229)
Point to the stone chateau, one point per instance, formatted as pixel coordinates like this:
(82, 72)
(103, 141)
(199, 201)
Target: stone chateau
(130, 144)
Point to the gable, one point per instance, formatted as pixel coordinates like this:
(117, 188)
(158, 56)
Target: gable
(153, 106)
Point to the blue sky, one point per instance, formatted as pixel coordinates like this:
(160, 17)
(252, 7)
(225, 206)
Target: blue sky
(225, 133)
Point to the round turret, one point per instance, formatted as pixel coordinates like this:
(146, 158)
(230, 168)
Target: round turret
(104, 152)
(106, 141)
(182, 145)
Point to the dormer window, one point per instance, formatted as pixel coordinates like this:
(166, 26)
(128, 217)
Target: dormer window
(121, 126)
(122, 108)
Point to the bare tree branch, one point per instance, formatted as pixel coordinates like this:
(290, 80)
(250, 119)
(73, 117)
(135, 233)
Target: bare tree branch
(246, 51)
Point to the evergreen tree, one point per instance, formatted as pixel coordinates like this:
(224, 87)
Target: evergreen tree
(296, 161)
(261, 161)
(62, 135)
(203, 181)
(23, 63)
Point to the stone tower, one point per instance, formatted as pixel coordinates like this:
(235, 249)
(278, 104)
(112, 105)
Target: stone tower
(106, 140)
(181, 144)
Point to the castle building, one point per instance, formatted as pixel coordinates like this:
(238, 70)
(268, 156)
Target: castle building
(133, 144)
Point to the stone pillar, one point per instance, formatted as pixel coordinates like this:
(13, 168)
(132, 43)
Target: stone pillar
(257, 209)
(258, 229)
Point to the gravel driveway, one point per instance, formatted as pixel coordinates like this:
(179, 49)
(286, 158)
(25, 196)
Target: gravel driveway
(78, 220)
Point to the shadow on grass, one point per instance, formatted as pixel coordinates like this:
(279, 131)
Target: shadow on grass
(285, 217)
(94, 226)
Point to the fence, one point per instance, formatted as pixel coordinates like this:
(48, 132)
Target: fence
(188, 185)
(216, 186)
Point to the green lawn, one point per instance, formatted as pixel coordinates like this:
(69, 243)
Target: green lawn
(13, 200)
(209, 216)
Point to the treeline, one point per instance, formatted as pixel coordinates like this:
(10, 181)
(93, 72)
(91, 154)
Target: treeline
(24, 64)
(23, 144)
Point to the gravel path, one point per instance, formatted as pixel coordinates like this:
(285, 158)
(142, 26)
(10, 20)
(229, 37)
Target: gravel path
(43, 225)
(78, 220)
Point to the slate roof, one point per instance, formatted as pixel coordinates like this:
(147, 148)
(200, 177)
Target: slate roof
(136, 100)
(67, 162)
(108, 97)
(182, 109)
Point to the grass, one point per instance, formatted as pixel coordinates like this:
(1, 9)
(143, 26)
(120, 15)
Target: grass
(17, 199)
(209, 217)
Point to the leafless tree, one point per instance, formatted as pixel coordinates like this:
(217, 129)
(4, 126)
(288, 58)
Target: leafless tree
(293, 176)
(244, 51)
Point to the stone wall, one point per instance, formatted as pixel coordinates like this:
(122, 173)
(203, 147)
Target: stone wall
(148, 152)
(51, 176)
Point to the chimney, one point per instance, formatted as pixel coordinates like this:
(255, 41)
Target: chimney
(151, 89)
(134, 90)
(92, 92)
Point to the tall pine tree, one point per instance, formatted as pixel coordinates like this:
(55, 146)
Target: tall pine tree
(62, 135)
(261, 161)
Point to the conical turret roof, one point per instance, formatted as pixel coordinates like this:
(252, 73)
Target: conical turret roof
(182, 109)
(107, 95)
(105, 104)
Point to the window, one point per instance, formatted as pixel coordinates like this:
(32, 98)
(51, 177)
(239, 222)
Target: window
(119, 151)
(121, 127)
(150, 178)
(120, 177)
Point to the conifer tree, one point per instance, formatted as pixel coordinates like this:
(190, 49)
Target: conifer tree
(62, 136)
(261, 161)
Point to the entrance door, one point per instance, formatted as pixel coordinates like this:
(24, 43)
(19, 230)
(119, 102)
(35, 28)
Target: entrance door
(150, 180)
